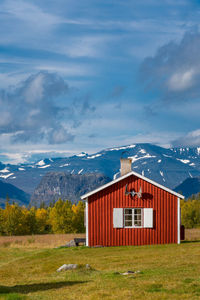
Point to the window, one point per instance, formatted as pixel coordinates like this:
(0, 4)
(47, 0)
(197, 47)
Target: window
(133, 217)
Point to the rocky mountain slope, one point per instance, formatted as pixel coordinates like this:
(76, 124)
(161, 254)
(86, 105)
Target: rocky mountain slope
(55, 185)
(169, 167)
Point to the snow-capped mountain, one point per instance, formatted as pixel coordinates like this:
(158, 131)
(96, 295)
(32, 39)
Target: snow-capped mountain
(169, 167)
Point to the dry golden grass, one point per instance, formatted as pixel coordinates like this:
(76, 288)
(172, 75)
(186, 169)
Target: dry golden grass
(38, 241)
(55, 240)
(192, 234)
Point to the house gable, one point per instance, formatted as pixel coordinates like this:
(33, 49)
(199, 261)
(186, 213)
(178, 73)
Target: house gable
(137, 175)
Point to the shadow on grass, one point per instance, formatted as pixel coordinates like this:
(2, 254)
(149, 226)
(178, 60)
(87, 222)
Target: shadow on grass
(187, 242)
(35, 287)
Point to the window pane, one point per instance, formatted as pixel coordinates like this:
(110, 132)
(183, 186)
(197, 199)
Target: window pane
(137, 223)
(128, 217)
(138, 217)
(137, 211)
(128, 223)
(128, 211)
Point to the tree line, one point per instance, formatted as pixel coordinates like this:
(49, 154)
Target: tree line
(59, 217)
(190, 212)
(65, 217)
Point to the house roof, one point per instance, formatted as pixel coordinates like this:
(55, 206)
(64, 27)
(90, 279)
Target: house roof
(127, 175)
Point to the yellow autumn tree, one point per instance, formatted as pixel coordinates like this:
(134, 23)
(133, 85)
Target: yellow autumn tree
(13, 220)
(2, 222)
(60, 217)
(63, 217)
(190, 213)
(42, 219)
(78, 217)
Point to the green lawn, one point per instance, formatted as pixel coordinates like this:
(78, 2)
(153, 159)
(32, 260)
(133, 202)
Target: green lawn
(167, 272)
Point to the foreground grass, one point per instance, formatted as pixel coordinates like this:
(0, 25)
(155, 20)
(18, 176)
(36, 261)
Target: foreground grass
(167, 272)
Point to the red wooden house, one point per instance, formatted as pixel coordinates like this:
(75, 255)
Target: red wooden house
(132, 210)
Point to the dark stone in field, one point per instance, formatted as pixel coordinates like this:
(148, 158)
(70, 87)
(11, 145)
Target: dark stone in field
(75, 242)
(70, 244)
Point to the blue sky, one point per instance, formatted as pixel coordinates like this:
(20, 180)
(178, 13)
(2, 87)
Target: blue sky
(86, 75)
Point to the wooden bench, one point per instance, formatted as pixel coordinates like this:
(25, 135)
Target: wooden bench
(77, 241)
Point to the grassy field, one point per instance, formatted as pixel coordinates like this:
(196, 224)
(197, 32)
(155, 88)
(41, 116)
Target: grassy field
(37, 241)
(28, 270)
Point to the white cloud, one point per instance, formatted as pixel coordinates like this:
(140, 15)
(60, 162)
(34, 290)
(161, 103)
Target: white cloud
(85, 45)
(173, 73)
(69, 69)
(29, 112)
(35, 89)
(42, 109)
(29, 13)
(11, 79)
(191, 139)
(182, 80)
(31, 152)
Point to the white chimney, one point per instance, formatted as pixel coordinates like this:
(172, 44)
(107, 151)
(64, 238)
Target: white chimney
(125, 165)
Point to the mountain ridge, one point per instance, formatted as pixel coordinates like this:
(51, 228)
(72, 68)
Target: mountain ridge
(167, 166)
(189, 187)
(13, 193)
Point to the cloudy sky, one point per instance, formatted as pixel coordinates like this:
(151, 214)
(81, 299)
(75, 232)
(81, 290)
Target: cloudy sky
(89, 74)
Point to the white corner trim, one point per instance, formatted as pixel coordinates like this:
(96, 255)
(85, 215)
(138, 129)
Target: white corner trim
(178, 221)
(86, 221)
(127, 175)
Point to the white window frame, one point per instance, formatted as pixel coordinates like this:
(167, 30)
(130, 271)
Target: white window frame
(133, 214)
